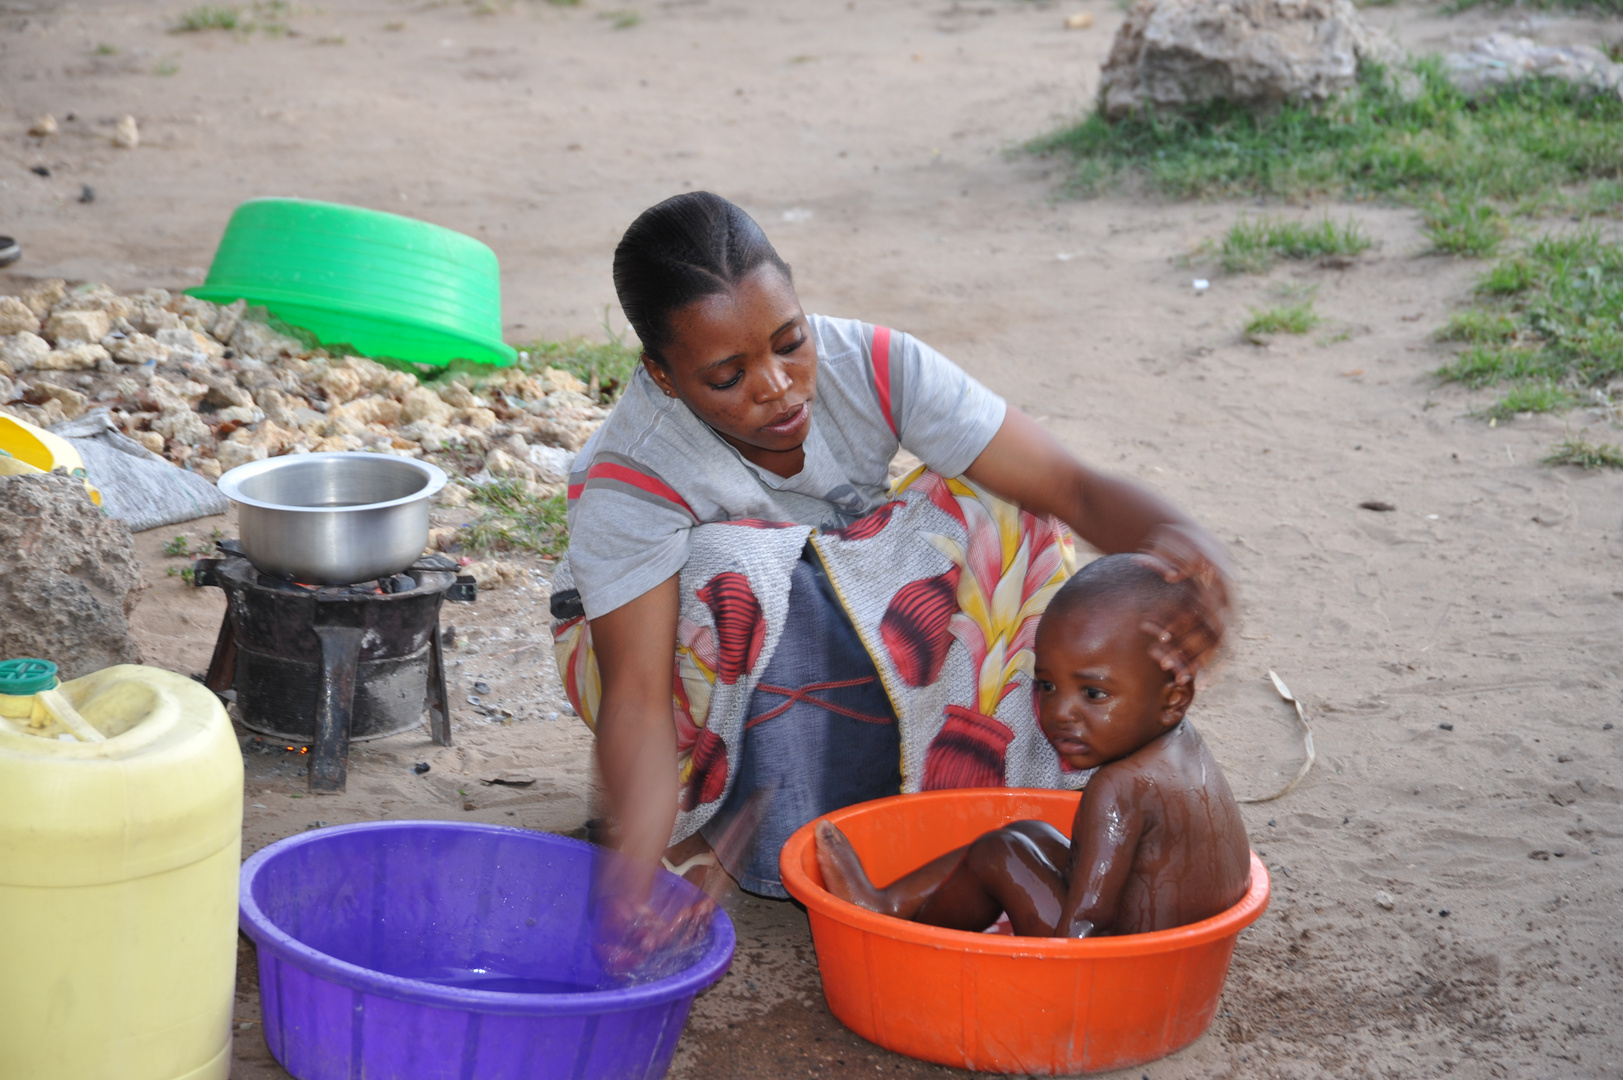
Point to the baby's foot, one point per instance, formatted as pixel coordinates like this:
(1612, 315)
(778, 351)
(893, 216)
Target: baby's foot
(843, 874)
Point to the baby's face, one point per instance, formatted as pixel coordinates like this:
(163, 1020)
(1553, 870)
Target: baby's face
(1099, 695)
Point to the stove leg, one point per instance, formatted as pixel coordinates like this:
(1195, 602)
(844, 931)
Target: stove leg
(329, 759)
(223, 666)
(439, 698)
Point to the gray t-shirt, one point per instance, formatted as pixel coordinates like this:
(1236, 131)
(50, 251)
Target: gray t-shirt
(654, 470)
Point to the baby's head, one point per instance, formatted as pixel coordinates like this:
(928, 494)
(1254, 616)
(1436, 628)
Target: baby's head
(1100, 695)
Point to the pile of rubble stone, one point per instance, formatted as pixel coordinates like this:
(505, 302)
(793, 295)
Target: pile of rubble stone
(211, 387)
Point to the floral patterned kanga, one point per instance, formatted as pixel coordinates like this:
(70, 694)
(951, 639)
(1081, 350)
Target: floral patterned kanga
(946, 585)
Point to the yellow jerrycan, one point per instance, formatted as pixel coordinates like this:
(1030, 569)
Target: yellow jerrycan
(120, 845)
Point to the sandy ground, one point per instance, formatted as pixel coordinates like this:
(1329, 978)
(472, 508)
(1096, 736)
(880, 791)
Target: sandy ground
(873, 141)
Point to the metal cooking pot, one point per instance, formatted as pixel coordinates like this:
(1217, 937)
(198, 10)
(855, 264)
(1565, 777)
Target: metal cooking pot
(333, 519)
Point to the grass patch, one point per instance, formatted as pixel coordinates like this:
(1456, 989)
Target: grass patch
(1528, 139)
(514, 519)
(268, 17)
(1287, 319)
(1465, 227)
(611, 363)
(1531, 397)
(1550, 324)
(206, 17)
(1250, 247)
(622, 20)
(1585, 454)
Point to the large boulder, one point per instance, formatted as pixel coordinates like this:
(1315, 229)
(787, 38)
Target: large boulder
(1170, 55)
(70, 577)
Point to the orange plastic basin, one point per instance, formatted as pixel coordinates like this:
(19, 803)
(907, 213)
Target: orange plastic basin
(990, 1002)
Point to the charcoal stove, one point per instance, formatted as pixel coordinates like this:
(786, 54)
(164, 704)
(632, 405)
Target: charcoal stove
(322, 665)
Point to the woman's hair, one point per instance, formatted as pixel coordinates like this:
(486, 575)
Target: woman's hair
(686, 248)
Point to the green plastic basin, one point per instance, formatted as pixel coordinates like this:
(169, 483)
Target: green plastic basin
(384, 284)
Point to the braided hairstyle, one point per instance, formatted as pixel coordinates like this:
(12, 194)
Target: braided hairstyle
(682, 250)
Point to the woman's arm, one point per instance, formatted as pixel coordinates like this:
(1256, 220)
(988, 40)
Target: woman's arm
(636, 739)
(1026, 465)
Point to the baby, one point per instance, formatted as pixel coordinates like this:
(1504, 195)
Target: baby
(1157, 842)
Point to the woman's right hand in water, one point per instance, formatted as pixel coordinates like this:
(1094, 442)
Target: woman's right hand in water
(629, 934)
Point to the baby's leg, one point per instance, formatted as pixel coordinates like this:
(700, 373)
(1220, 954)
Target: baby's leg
(845, 877)
(1019, 869)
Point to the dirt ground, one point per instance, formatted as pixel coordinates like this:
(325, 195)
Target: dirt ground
(873, 140)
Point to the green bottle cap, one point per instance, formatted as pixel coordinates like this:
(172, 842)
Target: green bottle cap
(26, 676)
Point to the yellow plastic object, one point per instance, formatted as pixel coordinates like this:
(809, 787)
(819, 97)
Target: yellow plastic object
(25, 449)
(120, 843)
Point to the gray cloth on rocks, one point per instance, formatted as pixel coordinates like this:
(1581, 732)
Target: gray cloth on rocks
(137, 486)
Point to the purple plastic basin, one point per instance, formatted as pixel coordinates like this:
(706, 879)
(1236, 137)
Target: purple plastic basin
(421, 950)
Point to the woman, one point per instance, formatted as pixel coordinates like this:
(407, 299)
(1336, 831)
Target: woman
(739, 560)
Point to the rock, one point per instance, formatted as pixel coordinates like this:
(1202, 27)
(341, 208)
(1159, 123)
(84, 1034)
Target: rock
(1501, 59)
(70, 327)
(136, 348)
(456, 395)
(180, 339)
(339, 442)
(44, 296)
(73, 403)
(80, 357)
(500, 463)
(127, 135)
(371, 409)
(71, 577)
(151, 440)
(421, 403)
(494, 574)
(21, 352)
(164, 393)
(569, 434)
(97, 298)
(150, 319)
(223, 393)
(478, 418)
(1080, 21)
(1383, 900)
(254, 338)
(231, 454)
(179, 423)
(226, 319)
(239, 414)
(431, 436)
(1173, 54)
(16, 317)
(551, 463)
(45, 125)
(379, 379)
(559, 379)
(341, 384)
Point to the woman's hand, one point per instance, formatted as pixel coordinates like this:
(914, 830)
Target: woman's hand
(1026, 465)
(632, 936)
(1189, 640)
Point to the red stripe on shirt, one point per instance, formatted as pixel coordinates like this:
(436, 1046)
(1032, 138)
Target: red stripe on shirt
(574, 491)
(881, 373)
(606, 470)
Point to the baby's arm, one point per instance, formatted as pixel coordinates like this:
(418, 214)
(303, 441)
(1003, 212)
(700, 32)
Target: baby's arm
(1104, 841)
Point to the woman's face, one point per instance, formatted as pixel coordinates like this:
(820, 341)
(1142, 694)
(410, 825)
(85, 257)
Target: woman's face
(745, 362)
